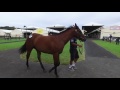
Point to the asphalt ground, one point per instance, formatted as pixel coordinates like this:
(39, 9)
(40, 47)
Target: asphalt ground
(98, 63)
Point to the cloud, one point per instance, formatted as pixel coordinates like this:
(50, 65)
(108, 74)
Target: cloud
(45, 19)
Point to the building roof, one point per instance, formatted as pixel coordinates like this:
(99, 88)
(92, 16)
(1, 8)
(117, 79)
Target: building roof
(93, 24)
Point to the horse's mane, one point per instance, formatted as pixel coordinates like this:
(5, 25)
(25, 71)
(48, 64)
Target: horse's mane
(63, 31)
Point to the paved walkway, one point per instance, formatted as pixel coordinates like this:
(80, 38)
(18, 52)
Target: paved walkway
(99, 63)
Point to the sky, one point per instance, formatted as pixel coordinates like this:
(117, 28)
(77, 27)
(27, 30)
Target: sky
(46, 19)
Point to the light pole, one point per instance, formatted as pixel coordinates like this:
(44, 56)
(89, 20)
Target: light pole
(26, 31)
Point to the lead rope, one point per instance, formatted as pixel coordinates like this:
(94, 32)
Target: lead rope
(81, 51)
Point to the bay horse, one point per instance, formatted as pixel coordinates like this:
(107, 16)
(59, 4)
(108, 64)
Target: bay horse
(53, 44)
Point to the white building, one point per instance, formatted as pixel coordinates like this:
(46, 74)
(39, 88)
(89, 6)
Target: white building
(113, 30)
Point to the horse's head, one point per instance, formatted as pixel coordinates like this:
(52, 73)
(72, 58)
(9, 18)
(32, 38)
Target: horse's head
(78, 33)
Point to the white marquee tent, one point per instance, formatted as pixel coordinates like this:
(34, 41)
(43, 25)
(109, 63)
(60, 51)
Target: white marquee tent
(17, 33)
(4, 32)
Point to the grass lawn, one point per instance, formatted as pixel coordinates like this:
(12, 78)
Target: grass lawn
(12, 40)
(48, 58)
(8, 46)
(111, 47)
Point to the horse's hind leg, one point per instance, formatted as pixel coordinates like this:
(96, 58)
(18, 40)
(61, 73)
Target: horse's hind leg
(39, 58)
(27, 57)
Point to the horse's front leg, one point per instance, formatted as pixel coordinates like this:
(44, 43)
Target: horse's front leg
(56, 64)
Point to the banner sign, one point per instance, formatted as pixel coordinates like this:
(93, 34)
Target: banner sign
(114, 27)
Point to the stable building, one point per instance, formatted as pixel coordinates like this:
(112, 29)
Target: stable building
(98, 31)
(92, 29)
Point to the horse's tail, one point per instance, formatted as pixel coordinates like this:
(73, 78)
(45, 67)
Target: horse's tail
(22, 49)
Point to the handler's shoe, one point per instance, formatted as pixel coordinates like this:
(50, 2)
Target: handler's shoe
(71, 68)
(74, 67)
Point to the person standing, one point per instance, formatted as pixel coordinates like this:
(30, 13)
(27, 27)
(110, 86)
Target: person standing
(117, 41)
(73, 54)
(110, 38)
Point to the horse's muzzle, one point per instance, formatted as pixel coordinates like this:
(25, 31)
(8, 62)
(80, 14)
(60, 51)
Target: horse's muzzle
(83, 39)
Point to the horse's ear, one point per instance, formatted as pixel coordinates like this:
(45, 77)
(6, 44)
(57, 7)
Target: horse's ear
(75, 24)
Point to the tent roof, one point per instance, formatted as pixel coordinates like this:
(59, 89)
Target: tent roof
(57, 27)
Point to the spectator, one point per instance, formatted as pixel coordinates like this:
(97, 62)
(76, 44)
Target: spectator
(117, 41)
(110, 38)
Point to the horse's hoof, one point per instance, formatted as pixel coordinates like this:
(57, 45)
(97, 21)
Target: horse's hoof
(28, 68)
(50, 71)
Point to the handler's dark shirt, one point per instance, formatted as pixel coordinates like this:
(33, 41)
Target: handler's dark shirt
(73, 40)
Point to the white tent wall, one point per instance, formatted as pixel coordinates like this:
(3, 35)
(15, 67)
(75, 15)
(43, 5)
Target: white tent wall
(2, 33)
(16, 33)
(106, 32)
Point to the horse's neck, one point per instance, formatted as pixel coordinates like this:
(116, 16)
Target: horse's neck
(66, 36)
